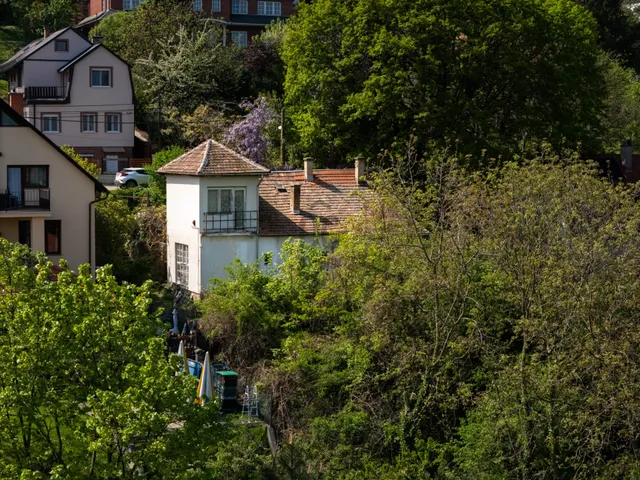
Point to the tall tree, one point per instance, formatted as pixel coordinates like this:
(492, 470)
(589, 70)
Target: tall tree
(469, 75)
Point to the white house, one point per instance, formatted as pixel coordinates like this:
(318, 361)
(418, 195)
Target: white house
(46, 199)
(78, 94)
(221, 206)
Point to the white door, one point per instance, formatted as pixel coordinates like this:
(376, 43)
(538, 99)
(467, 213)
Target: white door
(112, 163)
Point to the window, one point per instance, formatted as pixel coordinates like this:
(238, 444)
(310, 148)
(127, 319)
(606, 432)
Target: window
(112, 123)
(269, 8)
(89, 122)
(226, 209)
(197, 5)
(7, 121)
(239, 38)
(131, 4)
(52, 236)
(100, 77)
(51, 122)
(215, 6)
(61, 46)
(239, 7)
(24, 232)
(182, 264)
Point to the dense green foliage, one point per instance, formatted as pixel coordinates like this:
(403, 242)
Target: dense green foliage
(466, 75)
(471, 326)
(86, 389)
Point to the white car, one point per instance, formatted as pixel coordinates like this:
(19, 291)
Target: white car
(131, 177)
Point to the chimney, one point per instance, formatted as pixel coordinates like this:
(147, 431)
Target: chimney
(47, 32)
(295, 198)
(361, 170)
(96, 39)
(626, 155)
(308, 169)
(16, 101)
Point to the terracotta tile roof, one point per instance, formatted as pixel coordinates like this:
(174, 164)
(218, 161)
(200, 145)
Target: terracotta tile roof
(212, 158)
(331, 198)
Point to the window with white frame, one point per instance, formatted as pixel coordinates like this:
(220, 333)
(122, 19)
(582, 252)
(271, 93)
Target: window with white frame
(100, 77)
(197, 5)
(269, 8)
(215, 6)
(182, 264)
(226, 209)
(239, 38)
(240, 7)
(51, 123)
(89, 123)
(113, 123)
(131, 4)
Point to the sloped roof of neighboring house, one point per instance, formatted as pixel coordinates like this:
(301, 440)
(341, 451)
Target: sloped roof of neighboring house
(211, 158)
(82, 55)
(95, 18)
(31, 48)
(21, 122)
(327, 202)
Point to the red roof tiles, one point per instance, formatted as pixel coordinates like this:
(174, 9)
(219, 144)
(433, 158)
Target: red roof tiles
(212, 158)
(325, 203)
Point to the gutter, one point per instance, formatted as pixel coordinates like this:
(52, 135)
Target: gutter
(92, 233)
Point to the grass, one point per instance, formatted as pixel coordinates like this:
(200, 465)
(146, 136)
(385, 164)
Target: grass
(12, 39)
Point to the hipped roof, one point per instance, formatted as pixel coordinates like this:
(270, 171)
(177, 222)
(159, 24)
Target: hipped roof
(211, 158)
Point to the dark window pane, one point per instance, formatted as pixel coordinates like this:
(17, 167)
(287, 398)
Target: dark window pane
(52, 236)
(24, 232)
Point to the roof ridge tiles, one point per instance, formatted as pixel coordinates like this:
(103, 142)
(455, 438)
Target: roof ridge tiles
(205, 157)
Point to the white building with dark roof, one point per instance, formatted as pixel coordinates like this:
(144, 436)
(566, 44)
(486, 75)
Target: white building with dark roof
(222, 206)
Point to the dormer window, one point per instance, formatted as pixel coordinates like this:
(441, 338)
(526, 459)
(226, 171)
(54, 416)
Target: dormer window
(100, 77)
(61, 46)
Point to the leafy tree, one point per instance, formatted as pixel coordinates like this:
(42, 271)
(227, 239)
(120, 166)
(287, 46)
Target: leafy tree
(90, 392)
(263, 61)
(467, 75)
(158, 182)
(90, 167)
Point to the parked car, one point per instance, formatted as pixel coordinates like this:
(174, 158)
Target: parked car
(131, 177)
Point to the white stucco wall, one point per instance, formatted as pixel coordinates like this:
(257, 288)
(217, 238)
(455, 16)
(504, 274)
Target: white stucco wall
(71, 193)
(183, 209)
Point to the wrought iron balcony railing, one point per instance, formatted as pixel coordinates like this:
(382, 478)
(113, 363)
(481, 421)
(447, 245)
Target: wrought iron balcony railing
(45, 93)
(230, 222)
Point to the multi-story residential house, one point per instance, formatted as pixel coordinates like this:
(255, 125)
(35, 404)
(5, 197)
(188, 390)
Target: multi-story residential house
(241, 19)
(77, 93)
(222, 206)
(46, 199)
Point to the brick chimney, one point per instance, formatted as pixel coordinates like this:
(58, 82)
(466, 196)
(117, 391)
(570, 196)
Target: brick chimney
(308, 169)
(295, 198)
(361, 169)
(47, 32)
(16, 101)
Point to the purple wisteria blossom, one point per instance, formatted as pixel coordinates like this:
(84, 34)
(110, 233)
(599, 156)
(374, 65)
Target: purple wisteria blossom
(248, 136)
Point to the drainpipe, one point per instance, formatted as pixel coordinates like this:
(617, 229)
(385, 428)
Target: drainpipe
(92, 234)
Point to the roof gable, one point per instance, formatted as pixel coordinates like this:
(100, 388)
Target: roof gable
(33, 47)
(18, 120)
(211, 158)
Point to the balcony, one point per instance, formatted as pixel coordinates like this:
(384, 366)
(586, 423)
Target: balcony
(28, 198)
(233, 222)
(49, 94)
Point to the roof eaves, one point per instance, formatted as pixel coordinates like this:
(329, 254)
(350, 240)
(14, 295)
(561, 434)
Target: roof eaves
(18, 58)
(79, 57)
